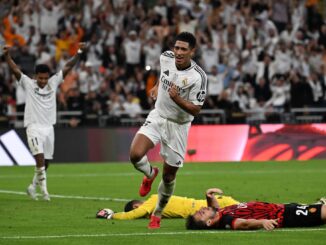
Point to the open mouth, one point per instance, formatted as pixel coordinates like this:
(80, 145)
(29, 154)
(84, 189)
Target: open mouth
(178, 59)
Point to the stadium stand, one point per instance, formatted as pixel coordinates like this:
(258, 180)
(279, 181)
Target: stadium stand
(266, 60)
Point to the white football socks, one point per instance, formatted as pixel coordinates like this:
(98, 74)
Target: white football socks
(165, 191)
(35, 181)
(145, 167)
(41, 179)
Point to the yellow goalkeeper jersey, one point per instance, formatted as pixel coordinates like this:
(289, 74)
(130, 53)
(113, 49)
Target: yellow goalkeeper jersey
(177, 207)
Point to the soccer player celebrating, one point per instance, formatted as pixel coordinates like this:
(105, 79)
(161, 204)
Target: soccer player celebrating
(40, 114)
(180, 94)
(257, 215)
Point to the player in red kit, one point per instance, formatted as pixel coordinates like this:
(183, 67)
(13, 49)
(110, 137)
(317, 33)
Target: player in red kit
(256, 215)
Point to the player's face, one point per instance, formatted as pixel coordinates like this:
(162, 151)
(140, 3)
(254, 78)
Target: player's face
(205, 214)
(42, 79)
(182, 53)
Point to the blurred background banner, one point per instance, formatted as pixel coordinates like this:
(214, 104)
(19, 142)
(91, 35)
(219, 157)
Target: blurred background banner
(207, 143)
(13, 151)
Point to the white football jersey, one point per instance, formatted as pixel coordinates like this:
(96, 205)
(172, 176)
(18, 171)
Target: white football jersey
(41, 104)
(191, 84)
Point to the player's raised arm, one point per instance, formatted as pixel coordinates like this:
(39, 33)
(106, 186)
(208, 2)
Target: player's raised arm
(211, 199)
(72, 62)
(12, 65)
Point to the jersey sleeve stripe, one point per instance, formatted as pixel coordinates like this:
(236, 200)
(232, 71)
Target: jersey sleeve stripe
(203, 77)
(168, 54)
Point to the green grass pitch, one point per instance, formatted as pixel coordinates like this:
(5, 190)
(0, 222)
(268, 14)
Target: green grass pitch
(82, 189)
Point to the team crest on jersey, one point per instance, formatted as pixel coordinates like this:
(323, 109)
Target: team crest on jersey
(185, 82)
(201, 96)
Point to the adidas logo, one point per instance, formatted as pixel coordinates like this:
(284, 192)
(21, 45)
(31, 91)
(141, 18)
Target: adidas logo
(167, 72)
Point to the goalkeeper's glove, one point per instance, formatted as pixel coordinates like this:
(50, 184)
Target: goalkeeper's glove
(104, 213)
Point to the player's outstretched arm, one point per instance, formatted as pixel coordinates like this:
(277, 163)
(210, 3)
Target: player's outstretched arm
(254, 224)
(72, 62)
(12, 65)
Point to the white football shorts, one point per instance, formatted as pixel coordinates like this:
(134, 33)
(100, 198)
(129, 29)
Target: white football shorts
(172, 136)
(41, 140)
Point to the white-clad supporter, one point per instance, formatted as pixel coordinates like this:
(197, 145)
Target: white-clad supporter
(316, 87)
(271, 41)
(161, 8)
(152, 50)
(200, 10)
(209, 56)
(49, 17)
(298, 14)
(287, 34)
(115, 105)
(186, 24)
(87, 14)
(280, 13)
(315, 59)
(283, 59)
(280, 90)
(95, 50)
(132, 49)
(249, 61)
(300, 60)
(228, 13)
(88, 78)
(131, 106)
(232, 54)
(243, 97)
(33, 39)
(215, 82)
(265, 68)
(108, 35)
(241, 36)
(180, 93)
(265, 24)
(31, 17)
(44, 55)
(217, 35)
(40, 114)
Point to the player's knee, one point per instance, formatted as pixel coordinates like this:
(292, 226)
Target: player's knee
(135, 156)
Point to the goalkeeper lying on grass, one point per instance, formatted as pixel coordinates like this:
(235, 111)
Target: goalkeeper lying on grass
(177, 207)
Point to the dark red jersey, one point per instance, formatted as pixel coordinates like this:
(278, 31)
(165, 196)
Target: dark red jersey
(250, 210)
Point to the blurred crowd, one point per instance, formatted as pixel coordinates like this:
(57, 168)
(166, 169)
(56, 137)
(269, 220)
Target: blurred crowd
(258, 54)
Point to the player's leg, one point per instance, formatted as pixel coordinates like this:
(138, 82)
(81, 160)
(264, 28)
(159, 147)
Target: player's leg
(35, 143)
(140, 145)
(173, 161)
(48, 155)
(165, 188)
